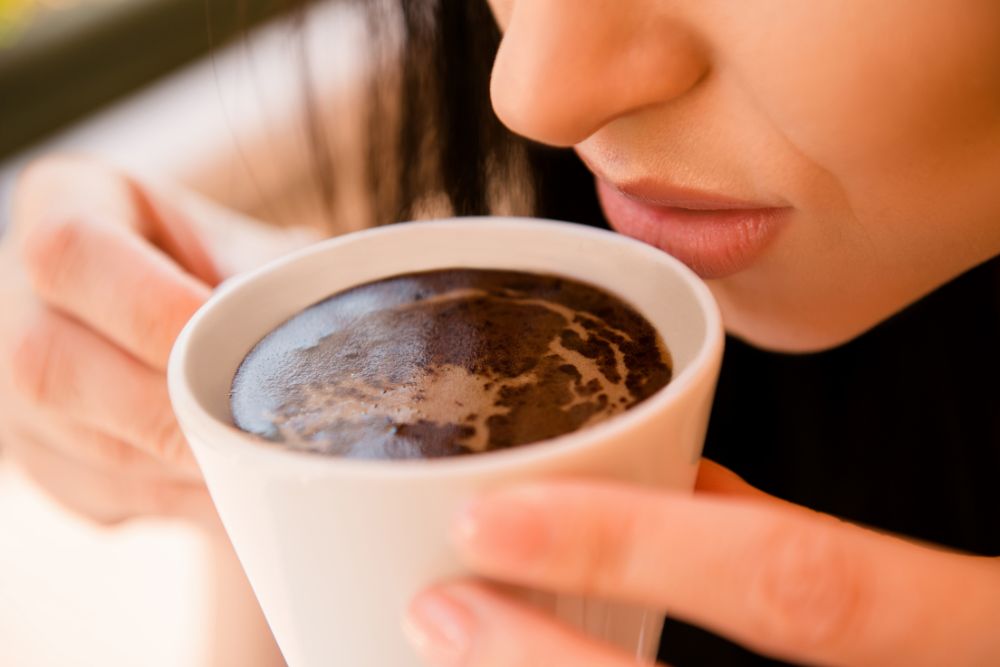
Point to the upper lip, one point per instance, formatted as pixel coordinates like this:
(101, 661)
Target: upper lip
(657, 193)
(672, 196)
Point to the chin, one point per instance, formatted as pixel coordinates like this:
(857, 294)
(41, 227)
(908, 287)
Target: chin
(791, 341)
(792, 333)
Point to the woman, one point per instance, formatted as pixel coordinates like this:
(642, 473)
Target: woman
(829, 167)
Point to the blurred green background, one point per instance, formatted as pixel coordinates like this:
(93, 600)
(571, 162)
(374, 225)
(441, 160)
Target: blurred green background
(60, 59)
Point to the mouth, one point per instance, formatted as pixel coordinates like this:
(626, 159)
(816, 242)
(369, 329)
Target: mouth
(715, 235)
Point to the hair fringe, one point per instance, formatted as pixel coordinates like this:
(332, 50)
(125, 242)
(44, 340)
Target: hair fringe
(432, 134)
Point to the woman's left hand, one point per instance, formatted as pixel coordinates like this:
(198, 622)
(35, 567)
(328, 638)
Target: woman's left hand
(777, 578)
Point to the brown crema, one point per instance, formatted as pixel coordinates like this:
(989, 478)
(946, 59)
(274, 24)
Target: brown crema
(448, 362)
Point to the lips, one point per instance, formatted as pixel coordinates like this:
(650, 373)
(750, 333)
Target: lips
(715, 235)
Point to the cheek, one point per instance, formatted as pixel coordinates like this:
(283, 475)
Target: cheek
(876, 90)
(894, 110)
(502, 10)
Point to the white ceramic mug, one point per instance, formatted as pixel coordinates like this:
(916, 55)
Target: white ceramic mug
(335, 548)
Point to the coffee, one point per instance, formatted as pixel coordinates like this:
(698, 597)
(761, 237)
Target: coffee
(448, 362)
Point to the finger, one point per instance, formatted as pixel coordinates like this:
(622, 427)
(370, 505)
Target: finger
(803, 587)
(466, 624)
(101, 496)
(68, 369)
(115, 282)
(97, 450)
(174, 216)
(116, 198)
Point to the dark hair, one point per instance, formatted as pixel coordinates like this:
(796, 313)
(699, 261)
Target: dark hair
(431, 130)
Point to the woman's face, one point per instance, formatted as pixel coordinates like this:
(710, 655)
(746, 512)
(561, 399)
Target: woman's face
(822, 163)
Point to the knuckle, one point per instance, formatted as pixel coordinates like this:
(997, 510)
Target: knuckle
(118, 499)
(163, 500)
(50, 251)
(41, 175)
(42, 171)
(150, 326)
(143, 339)
(111, 506)
(156, 328)
(605, 562)
(806, 590)
(33, 362)
(102, 508)
(166, 440)
(104, 518)
(118, 456)
(100, 503)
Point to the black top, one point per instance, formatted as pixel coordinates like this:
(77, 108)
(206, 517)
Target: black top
(898, 429)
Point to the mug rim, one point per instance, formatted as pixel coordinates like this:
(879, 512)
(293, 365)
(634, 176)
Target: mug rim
(196, 420)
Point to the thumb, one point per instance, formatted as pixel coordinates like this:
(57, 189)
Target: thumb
(176, 228)
(71, 188)
(718, 480)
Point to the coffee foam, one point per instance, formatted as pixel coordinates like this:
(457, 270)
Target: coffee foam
(448, 362)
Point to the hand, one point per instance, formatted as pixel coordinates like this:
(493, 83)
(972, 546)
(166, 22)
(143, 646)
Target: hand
(98, 274)
(777, 578)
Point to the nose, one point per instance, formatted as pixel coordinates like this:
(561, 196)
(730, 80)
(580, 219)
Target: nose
(566, 68)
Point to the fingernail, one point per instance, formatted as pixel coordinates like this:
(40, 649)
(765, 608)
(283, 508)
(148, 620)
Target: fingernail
(440, 628)
(510, 527)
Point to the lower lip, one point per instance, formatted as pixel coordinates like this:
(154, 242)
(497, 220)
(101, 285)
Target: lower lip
(714, 243)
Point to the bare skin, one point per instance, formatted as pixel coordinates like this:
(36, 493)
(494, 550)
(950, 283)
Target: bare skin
(97, 276)
(85, 407)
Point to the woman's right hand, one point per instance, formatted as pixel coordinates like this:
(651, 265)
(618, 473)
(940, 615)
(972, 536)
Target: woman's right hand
(98, 274)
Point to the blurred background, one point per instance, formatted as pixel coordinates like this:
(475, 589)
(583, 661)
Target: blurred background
(64, 58)
(209, 93)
